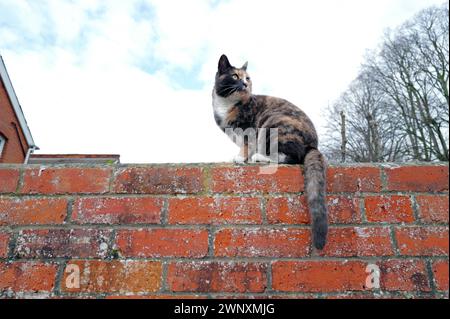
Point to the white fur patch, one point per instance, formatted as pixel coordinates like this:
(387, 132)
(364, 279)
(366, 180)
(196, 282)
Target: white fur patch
(222, 106)
(259, 158)
(239, 159)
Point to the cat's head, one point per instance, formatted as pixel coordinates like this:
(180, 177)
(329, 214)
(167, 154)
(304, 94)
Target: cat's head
(232, 82)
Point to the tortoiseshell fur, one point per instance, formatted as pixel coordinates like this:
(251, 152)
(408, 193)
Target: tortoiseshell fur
(236, 107)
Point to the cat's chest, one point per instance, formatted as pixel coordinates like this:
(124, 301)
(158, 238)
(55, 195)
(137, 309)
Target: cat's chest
(222, 109)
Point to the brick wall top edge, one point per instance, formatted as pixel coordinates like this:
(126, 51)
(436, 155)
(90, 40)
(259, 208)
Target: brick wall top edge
(219, 164)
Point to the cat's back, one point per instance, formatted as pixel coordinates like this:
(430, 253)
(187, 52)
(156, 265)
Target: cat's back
(276, 112)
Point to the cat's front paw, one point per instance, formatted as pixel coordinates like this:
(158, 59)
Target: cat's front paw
(239, 159)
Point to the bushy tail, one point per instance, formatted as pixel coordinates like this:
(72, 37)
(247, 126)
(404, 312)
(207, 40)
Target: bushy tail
(315, 184)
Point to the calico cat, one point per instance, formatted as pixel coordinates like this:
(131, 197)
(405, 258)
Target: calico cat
(235, 107)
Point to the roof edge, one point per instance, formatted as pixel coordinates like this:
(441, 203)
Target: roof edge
(16, 105)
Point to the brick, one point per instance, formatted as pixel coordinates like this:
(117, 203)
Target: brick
(163, 243)
(160, 296)
(121, 210)
(338, 276)
(262, 243)
(4, 242)
(294, 210)
(158, 180)
(422, 241)
(440, 274)
(404, 275)
(417, 178)
(206, 276)
(389, 209)
(433, 209)
(125, 276)
(343, 210)
(360, 295)
(63, 243)
(266, 296)
(215, 210)
(32, 211)
(66, 180)
(287, 210)
(9, 178)
(358, 241)
(318, 276)
(353, 179)
(27, 276)
(248, 179)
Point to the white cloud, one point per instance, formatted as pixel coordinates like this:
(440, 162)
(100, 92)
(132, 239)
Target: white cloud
(83, 90)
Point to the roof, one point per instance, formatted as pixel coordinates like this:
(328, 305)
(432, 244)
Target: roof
(16, 105)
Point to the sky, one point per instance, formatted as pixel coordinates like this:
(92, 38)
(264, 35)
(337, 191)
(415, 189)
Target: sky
(135, 77)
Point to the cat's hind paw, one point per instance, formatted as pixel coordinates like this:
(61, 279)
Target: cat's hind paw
(239, 159)
(259, 158)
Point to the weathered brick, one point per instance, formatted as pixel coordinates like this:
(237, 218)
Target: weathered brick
(121, 210)
(318, 276)
(159, 296)
(215, 210)
(343, 210)
(440, 274)
(417, 178)
(125, 276)
(46, 180)
(63, 243)
(353, 179)
(9, 178)
(158, 180)
(4, 242)
(27, 277)
(422, 241)
(389, 209)
(163, 243)
(294, 210)
(262, 242)
(272, 296)
(287, 210)
(206, 276)
(248, 179)
(404, 275)
(358, 241)
(433, 209)
(32, 211)
(338, 276)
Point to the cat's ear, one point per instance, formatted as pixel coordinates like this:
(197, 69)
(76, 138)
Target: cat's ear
(224, 64)
(244, 67)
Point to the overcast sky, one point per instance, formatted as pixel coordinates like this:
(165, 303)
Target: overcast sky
(135, 77)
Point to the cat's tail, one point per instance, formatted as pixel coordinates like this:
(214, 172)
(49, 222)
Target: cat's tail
(315, 185)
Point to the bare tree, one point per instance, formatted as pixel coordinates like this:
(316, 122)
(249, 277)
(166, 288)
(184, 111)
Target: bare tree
(398, 107)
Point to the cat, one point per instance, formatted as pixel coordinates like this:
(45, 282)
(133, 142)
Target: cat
(235, 107)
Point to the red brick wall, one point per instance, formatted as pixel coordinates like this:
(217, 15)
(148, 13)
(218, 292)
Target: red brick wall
(207, 231)
(16, 146)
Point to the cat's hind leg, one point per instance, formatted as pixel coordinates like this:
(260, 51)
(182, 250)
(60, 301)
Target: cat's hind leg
(260, 158)
(243, 155)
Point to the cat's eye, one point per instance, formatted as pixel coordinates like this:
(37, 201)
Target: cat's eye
(235, 77)
(247, 78)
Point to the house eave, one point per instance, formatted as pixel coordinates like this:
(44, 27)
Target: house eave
(16, 105)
